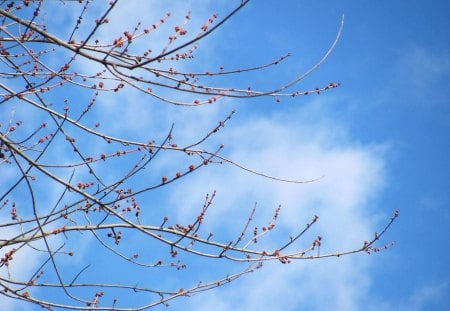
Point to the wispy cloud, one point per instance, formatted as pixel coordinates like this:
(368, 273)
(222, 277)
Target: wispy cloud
(421, 71)
(430, 296)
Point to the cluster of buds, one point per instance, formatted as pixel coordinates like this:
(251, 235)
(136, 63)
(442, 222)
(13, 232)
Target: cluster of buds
(81, 185)
(8, 257)
(96, 299)
(14, 211)
(281, 258)
(317, 242)
(117, 236)
(59, 230)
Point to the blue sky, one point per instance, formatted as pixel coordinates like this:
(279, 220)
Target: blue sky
(381, 142)
(393, 63)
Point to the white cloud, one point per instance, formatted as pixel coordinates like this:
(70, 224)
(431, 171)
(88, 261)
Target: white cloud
(294, 146)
